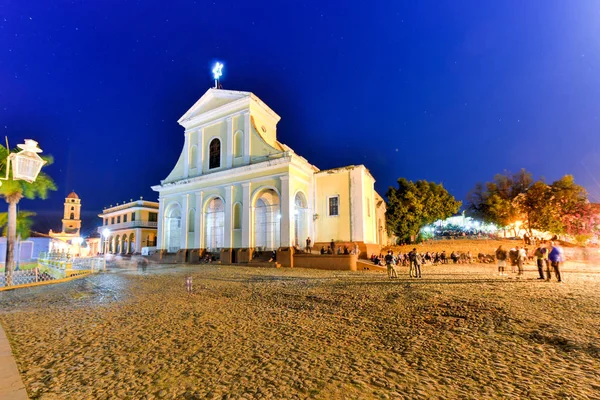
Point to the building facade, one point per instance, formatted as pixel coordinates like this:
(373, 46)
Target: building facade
(130, 227)
(68, 240)
(236, 187)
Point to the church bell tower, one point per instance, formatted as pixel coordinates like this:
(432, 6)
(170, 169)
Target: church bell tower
(71, 222)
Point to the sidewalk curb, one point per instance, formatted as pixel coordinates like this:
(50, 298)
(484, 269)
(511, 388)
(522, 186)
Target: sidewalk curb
(11, 384)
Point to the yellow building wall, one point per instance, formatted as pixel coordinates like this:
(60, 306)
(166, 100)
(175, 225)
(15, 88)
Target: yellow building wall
(330, 227)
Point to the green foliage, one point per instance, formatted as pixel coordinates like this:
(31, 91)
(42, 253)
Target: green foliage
(415, 204)
(24, 223)
(14, 190)
(560, 208)
(492, 202)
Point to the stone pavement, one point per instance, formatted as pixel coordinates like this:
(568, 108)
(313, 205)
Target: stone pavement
(11, 385)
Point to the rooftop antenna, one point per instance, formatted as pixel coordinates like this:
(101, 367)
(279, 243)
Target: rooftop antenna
(217, 73)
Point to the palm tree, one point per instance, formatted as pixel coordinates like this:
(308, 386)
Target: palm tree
(13, 191)
(24, 223)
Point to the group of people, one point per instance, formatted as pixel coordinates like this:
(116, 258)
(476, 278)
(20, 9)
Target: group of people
(433, 258)
(415, 261)
(547, 254)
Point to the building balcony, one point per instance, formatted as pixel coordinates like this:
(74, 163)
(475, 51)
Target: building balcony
(129, 225)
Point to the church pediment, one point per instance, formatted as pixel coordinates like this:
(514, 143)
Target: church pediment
(213, 100)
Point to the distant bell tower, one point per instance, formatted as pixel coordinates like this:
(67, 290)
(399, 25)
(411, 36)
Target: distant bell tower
(71, 222)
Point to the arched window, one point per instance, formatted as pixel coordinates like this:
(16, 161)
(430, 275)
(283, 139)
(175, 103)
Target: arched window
(72, 208)
(237, 216)
(237, 144)
(214, 154)
(193, 156)
(191, 217)
(72, 216)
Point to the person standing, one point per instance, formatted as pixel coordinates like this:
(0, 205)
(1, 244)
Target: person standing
(188, 285)
(389, 261)
(308, 245)
(556, 256)
(414, 264)
(501, 257)
(521, 256)
(332, 246)
(540, 253)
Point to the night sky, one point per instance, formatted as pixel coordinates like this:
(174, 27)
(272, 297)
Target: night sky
(449, 91)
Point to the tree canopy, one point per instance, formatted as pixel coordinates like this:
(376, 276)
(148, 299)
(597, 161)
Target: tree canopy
(24, 223)
(560, 208)
(413, 205)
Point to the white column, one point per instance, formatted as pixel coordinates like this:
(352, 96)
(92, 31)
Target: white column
(160, 225)
(246, 216)
(200, 150)
(229, 144)
(247, 137)
(186, 155)
(199, 221)
(185, 209)
(138, 241)
(357, 209)
(228, 209)
(286, 223)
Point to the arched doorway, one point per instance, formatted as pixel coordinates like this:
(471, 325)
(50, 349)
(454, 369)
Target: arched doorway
(173, 228)
(125, 246)
(214, 222)
(267, 220)
(301, 215)
(117, 244)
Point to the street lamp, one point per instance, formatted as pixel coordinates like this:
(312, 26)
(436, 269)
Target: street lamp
(26, 166)
(105, 234)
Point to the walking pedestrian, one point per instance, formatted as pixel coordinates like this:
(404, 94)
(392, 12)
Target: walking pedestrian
(556, 256)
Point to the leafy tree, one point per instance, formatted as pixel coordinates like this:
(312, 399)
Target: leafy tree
(24, 223)
(560, 208)
(415, 204)
(492, 202)
(13, 191)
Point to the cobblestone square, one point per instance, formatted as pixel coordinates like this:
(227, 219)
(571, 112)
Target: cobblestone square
(460, 332)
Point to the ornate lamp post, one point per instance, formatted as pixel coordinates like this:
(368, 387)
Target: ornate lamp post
(26, 166)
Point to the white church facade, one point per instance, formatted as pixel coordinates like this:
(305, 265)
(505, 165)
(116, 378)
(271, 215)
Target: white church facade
(237, 188)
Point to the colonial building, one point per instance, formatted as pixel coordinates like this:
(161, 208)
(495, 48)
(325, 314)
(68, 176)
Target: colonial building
(236, 187)
(130, 226)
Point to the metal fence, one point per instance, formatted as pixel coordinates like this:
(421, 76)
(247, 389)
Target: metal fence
(53, 266)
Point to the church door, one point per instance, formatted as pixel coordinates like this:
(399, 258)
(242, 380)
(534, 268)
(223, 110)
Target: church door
(215, 225)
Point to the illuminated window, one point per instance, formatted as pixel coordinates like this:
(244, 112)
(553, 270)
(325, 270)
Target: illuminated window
(333, 209)
(214, 154)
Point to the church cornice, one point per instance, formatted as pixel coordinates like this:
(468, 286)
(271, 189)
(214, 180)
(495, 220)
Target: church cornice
(284, 158)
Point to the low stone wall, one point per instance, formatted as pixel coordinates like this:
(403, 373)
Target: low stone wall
(326, 261)
(365, 249)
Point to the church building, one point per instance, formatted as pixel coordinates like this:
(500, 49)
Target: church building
(236, 188)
